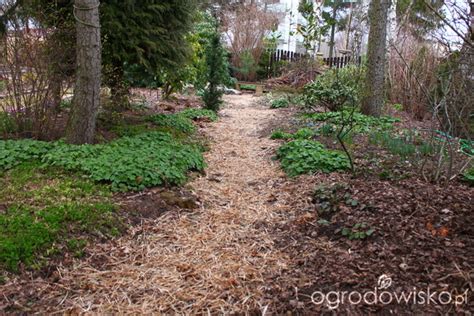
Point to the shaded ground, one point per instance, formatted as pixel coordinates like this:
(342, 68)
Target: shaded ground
(252, 241)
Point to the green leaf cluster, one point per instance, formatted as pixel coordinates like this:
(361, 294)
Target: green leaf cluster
(280, 103)
(362, 123)
(175, 122)
(468, 176)
(302, 156)
(15, 152)
(406, 145)
(131, 163)
(304, 133)
(7, 124)
(182, 122)
(194, 114)
(336, 88)
(358, 231)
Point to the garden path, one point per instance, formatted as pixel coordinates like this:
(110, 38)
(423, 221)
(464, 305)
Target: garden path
(217, 258)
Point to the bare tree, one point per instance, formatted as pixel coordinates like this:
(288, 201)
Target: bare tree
(85, 104)
(376, 57)
(31, 62)
(246, 27)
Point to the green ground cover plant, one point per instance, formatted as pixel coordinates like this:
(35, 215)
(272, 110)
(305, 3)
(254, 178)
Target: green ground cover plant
(304, 133)
(47, 211)
(280, 103)
(405, 145)
(302, 156)
(147, 158)
(362, 123)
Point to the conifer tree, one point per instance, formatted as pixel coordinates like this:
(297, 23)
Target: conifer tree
(216, 71)
(150, 34)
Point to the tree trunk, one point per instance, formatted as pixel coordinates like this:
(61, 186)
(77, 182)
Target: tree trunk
(85, 103)
(333, 31)
(374, 93)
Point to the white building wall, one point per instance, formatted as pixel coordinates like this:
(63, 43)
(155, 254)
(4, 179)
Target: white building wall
(288, 38)
(291, 41)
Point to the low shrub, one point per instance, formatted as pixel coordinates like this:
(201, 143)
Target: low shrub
(7, 124)
(306, 156)
(336, 88)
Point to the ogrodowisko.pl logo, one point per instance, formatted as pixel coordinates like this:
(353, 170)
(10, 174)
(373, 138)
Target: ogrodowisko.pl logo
(381, 294)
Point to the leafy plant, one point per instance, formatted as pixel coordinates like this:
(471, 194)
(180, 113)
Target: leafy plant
(335, 88)
(194, 114)
(280, 103)
(404, 146)
(15, 152)
(281, 135)
(398, 107)
(131, 130)
(358, 231)
(177, 122)
(468, 176)
(362, 123)
(467, 146)
(328, 198)
(131, 163)
(304, 133)
(7, 124)
(65, 104)
(305, 156)
(182, 121)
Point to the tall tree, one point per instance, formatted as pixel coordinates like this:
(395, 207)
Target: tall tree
(374, 93)
(417, 16)
(334, 20)
(147, 34)
(85, 103)
(150, 34)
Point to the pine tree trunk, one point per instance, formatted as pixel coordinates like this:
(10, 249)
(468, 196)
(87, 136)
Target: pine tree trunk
(85, 103)
(374, 93)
